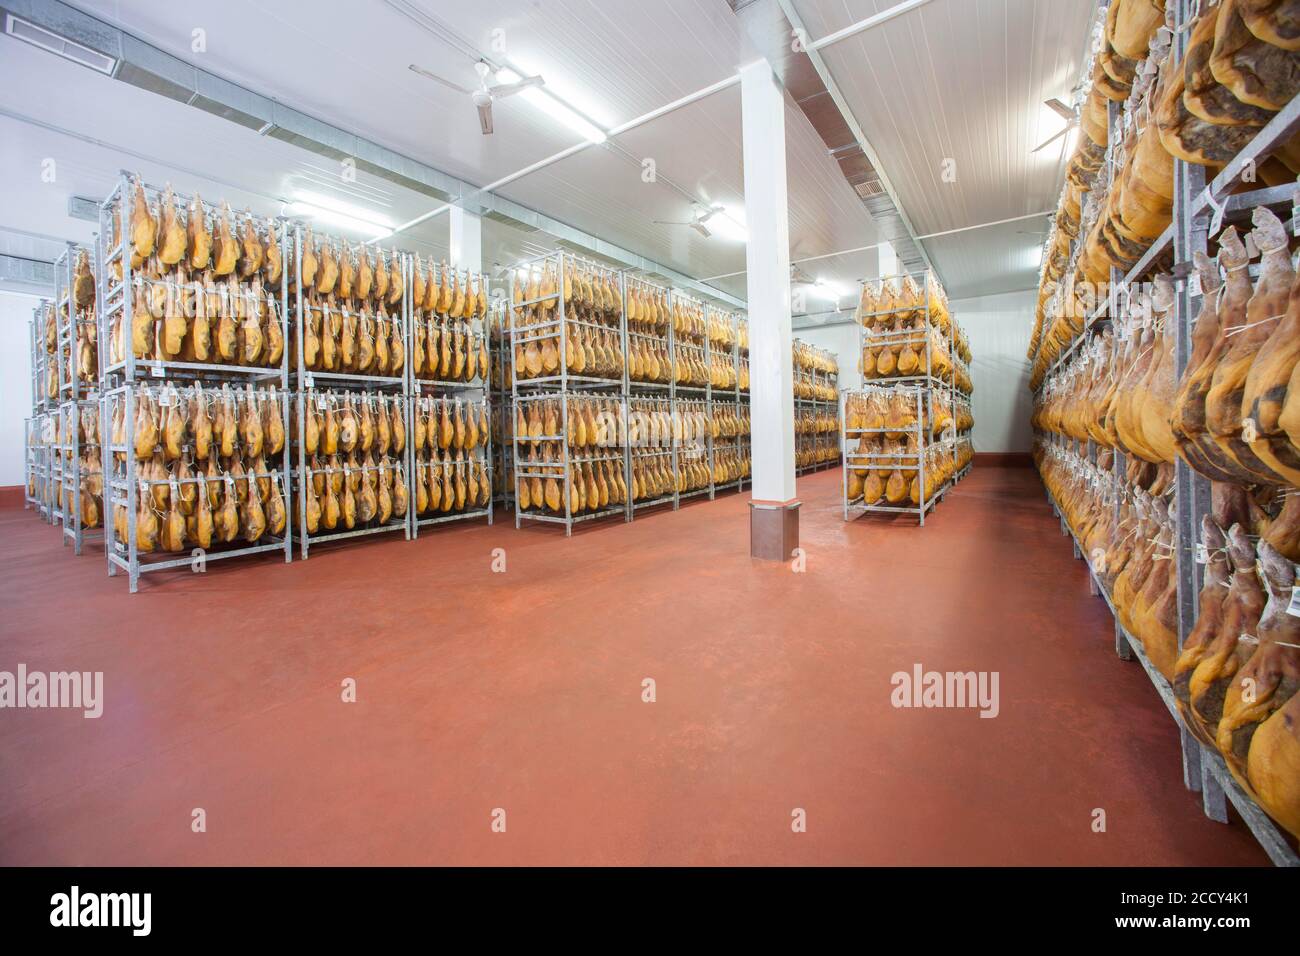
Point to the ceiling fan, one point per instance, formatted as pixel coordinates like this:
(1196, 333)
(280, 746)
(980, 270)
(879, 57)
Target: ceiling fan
(486, 93)
(698, 219)
(799, 276)
(1070, 116)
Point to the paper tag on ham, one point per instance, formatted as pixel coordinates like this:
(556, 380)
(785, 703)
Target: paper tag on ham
(1194, 284)
(1294, 607)
(157, 371)
(1202, 554)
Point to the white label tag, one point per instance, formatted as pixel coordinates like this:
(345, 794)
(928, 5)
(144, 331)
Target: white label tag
(156, 371)
(1249, 433)
(165, 399)
(1194, 283)
(1294, 607)
(1202, 554)
(308, 381)
(321, 403)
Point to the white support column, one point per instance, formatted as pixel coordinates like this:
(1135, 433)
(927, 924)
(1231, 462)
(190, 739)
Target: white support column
(888, 260)
(466, 239)
(774, 517)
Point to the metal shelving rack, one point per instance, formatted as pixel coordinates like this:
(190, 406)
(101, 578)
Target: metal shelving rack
(562, 385)
(311, 387)
(631, 394)
(31, 471)
(1199, 209)
(927, 379)
(44, 454)
(643, 396)
(501, 412)
(33, 451)
(475, 393)
(816, 378)
(75, 397)
(120, 380)
(702, 350)
(927, 383)
(888, 462)
(733, 398)
(569, 462)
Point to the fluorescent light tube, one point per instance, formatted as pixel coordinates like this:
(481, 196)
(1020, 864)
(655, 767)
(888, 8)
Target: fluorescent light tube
(342, 214)
(827, 290)
(542, 99)
(730, 224)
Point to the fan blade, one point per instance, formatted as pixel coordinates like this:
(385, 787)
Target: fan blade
(702, 229)
(502, 90)
(1049, 142)
(438, 79)
(485, 117)
(1061, 108)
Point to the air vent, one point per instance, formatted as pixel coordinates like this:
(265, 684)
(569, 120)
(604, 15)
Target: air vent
(871, 187)
(51, 42)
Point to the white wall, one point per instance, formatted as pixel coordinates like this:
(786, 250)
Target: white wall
(15, 383)
(998, 327)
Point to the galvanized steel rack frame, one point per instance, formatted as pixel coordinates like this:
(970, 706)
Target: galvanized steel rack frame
(827, 378)
(114, 297)
(36, 452)
(1198, 211)
(625, 389)
(501, 412)
(920, 428)
(563, 385)
(74, 395)
(302, 381)
(733, 397)
(928, 380)
(568, 462)
(420, 388)
(641, 391)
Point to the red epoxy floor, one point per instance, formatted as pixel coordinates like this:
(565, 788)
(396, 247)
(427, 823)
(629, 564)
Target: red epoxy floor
(522, 691)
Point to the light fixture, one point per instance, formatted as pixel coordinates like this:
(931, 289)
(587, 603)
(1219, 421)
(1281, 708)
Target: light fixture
(543, 99)
(729, 223)
(338, 213)
(1033, 257)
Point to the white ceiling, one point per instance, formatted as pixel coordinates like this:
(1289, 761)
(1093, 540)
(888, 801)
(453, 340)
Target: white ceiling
(966, 80)
(616, 61)
(955, 89)
(91, 127)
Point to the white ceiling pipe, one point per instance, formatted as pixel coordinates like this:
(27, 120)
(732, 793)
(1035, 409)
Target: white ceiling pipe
(851, 30)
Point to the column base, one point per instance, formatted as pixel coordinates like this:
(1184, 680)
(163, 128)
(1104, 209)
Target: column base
(773, 529)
